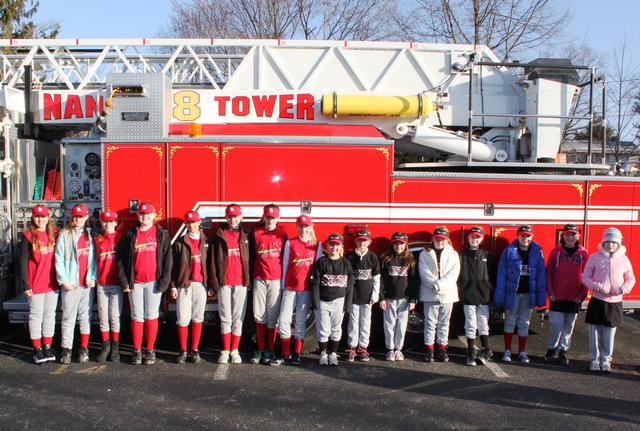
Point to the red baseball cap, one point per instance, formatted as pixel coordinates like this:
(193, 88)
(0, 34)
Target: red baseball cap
(79, 211)
(304, 220)
(271, 210)
(191, 216)
(146, 208)
(232, 210)
(108, 216)
(40, 211)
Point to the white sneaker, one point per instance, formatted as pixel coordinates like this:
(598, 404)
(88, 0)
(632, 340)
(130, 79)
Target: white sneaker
(594, 365)
(507, 356)
(333, 359)
(324, 358)
(523, 357)
(399, 356)
(224, 357)
(391, 356)
(605, 366)
(235, 357)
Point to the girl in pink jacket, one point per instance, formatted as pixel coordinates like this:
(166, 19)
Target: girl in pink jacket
(609, 275)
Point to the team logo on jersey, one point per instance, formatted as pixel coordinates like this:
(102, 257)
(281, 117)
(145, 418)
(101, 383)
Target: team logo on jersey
(195, 258)
(362, 274)
(272, 251)
(234, 252)
(146, 246)
(398, 271)
(330, 280)
(107, 254)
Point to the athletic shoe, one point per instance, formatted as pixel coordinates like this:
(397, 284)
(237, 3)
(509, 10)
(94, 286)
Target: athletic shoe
(235, 357)
(194, 357)
(39, 356)
(295, 359)
(182, 357)
(351, 354)
(136, 357)
(256, 358)
(362, 354)
(442, 355)
(83, 355)
(391, 356)
(523, 357)
(279, 361)
(605, 366)
(484, 356)
(149, 357)
(471, 361)
(594, 365)
(551, 354)
(333, 359)
(267, 357)
(324, 358)
(562, 356)
(49, 353)
(115, 351)
(399, 356)
(104, 353)
(65, 356)
(428, 355)
(506, 357)
(224, 357)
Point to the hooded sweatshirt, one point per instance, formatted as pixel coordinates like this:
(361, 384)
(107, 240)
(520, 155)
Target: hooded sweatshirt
(564, 274)
(609, 275)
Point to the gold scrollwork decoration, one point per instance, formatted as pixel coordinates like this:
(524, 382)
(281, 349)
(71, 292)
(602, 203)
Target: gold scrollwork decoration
(158, 150)
(395, 185)
(578, 187)
(173, 150)
(110, 149)
(593, 188)
(215, 150)
(226, 150)
(384, 151)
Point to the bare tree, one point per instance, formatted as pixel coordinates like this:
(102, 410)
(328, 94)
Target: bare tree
(508, 27)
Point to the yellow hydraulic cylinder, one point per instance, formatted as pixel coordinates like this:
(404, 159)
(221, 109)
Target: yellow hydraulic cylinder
(417, 106)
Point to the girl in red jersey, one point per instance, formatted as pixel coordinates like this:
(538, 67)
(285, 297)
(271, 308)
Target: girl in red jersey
(232, 251)
(76, 272)
(299, 255)
(109, 292)
(269, 242)
(189, 286)
(144, 268)
(38, 282)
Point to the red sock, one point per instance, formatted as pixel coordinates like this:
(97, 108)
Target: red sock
(36, 342)
(522, 344)
(271, 338)
(226, 341)
(286, 347)
(105, 336)
(196, 331)
(137, 329)
(429, 347)
(47, 340)
(508, 336)
(115, 336)
(297, 345)
(235, 341)
(261, 333)
(150, 332)
(84, 341)
(442, 346)
(183, 334)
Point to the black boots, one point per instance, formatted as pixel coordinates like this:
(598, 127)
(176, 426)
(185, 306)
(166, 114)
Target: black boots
(115, 351)
(471, 352)
(104, 353)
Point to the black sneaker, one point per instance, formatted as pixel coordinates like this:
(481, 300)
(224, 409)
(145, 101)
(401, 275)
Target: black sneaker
(295, 359)
(182, 357)
(65, 356)
(484, 356)
(115, 351)
(136, 357)
(280, 361)
(194, 357)
(149, 357)
(548, 358)
(83, 355)
(442, 355)
(104, 353)
(562, 356)
(38, 355)
(267, 357)
(49, 353)
(428, 355)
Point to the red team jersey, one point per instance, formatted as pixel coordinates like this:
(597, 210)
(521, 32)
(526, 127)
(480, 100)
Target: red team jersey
(196, 260)
(146, 248)
(106, 253)
(269, 249)
(41, 270)
(83, 259)
(235, 274)
(301, 257)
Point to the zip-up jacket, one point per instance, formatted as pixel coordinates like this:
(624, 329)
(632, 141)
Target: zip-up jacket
(218, 253)
(564, 274)
(181, 273)
(398, 280)
(331, 279)
(66, 259)
(609, 277)
(126, 258)
(439, 282)
(509, 277)
(477, 276)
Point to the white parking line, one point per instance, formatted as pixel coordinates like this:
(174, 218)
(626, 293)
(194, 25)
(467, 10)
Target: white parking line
(222, 372)
(492, 366)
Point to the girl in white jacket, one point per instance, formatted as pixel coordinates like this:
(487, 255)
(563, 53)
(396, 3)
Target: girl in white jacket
(438, 267)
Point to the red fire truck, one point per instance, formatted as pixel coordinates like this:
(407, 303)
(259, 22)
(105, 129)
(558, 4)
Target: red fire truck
(314, 126)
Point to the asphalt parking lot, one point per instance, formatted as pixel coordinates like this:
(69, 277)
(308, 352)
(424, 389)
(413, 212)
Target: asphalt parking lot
(377, 395)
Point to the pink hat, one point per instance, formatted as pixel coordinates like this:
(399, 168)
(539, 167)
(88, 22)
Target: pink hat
(79, 211)
(40, 211)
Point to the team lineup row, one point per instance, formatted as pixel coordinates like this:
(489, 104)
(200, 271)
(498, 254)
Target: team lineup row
(289, 278)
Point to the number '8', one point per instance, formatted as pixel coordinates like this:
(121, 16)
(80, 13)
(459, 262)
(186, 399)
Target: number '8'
(186, 105)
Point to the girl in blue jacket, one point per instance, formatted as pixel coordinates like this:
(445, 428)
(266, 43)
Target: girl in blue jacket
(520, 286)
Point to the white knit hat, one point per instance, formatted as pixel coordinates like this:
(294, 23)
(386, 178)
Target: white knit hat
(612, 234)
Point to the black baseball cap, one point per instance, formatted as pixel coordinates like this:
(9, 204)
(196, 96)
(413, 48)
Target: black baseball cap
(335, 238)
(476, 231)
(399, 237)
(570, 227)
(441, 232)
(526, 230)
(363, 234)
